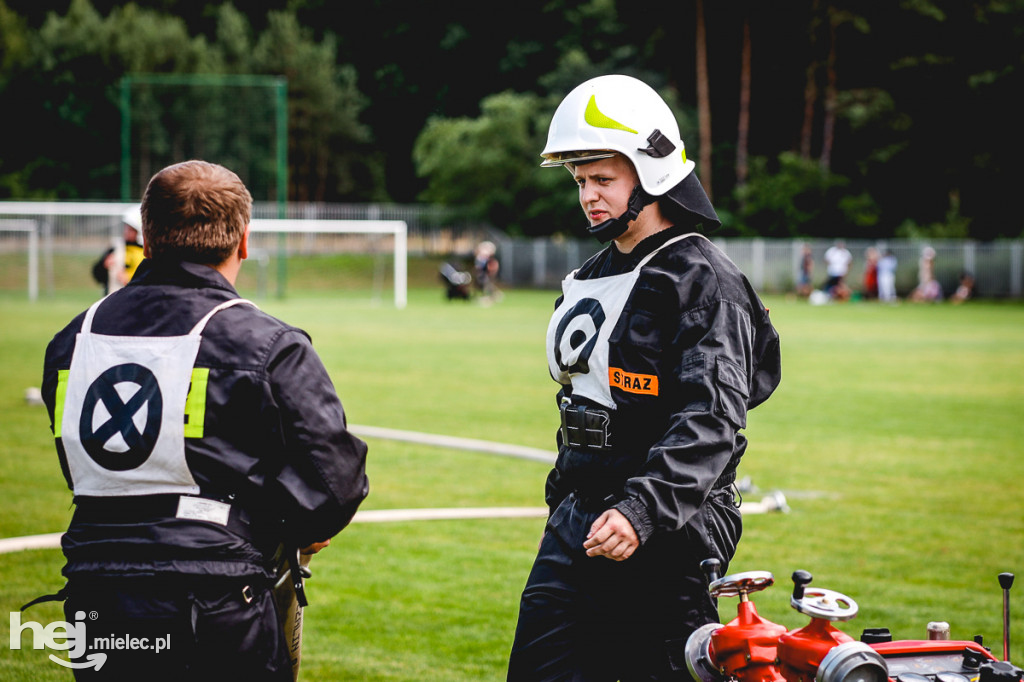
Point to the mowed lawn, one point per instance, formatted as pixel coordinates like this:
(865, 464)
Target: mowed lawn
(895, 436)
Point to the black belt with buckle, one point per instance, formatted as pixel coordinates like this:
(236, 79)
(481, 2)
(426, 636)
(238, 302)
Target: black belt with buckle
(590, 428)
(585, 427)
(151, 508)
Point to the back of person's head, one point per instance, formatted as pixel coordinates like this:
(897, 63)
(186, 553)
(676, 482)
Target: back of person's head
(195, 211)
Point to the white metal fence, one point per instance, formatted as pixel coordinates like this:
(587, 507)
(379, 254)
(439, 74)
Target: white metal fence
(771, 265)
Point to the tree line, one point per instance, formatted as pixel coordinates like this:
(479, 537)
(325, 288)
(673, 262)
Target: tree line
(814, 118)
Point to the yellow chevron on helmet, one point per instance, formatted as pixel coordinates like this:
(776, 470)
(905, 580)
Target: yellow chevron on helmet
(594, 117)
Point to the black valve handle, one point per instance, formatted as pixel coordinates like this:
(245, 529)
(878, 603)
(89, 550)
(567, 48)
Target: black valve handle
(801, 579)
(711, 568)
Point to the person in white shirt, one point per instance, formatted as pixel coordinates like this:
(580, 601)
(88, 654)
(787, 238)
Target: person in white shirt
(837, 265)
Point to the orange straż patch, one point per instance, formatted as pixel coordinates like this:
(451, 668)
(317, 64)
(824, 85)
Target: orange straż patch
(645, 384)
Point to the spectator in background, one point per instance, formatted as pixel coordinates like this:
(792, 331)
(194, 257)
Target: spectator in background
(871, 273)
(965, 290)
(113, 269)
(485, 268)
(928, 288)
(887, 277)
(803, 284)
(837, 265)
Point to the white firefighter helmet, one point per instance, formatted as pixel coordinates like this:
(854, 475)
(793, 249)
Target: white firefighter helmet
(133, 218)
(621, 114)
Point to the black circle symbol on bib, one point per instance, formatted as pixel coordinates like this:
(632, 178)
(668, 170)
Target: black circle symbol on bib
(125, 415)
(576, 335)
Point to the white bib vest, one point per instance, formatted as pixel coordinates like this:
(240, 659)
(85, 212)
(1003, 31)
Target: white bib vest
(123, 426)
(577, 337)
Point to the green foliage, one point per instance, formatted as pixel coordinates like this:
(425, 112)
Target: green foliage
(328, 145)
(788, 199)
(859, 211)
(72, 75)
(14, 41)
(466, 158)
(141, 41)
(490, 165)
(73, 70)
(955, 227)
(233, 42)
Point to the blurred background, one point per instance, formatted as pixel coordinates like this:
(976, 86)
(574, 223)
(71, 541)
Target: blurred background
(893, 123)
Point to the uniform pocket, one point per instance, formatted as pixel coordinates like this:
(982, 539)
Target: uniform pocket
(641, 330)
(732, 392)
(723, 525)
(692, 383)
(645, 315)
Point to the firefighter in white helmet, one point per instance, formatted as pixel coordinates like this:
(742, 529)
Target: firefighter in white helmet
(659, 346)
(116, 267)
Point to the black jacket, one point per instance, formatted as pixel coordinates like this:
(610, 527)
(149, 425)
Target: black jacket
(694, 322)
(274, 445)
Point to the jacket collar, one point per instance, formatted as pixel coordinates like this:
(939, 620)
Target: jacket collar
(179, 273)
(643, 248)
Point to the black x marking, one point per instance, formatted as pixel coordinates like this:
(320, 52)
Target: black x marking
(140, 445)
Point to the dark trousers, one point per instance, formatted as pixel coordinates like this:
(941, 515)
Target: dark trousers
(160, 629)
(585, 619)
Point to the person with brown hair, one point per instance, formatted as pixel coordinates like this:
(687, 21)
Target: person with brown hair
(201, 438)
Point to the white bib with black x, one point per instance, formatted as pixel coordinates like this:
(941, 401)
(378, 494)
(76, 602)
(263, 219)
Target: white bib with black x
(123, 426)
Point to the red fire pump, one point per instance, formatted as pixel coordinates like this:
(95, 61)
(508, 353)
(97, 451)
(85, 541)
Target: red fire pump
(753, 649)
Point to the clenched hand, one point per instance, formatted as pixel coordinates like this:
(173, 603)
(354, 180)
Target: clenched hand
(612, 536)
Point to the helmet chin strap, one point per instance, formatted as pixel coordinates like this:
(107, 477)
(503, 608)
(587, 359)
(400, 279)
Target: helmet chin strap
(614, 227)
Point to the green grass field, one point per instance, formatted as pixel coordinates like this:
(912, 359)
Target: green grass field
(896, 436)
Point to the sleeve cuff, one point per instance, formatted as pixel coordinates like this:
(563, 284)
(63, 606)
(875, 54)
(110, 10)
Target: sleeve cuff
(636, 513)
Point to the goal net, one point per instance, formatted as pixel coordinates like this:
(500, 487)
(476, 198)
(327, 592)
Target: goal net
(318, 251)
(51, 247)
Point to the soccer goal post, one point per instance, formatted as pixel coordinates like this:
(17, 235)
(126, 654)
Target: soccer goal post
(48, 225)
(36, 235)
(30, 229)
(396, 228)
